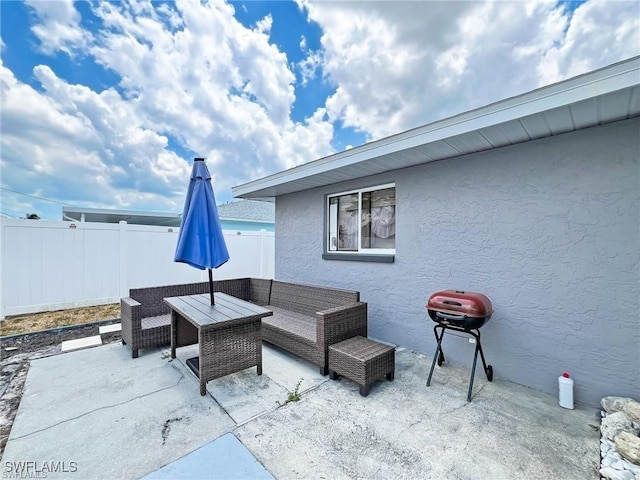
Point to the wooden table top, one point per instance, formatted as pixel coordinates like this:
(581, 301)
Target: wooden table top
(199, 311)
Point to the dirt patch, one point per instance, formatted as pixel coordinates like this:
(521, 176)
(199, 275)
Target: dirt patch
(50, 340)
(42, 321)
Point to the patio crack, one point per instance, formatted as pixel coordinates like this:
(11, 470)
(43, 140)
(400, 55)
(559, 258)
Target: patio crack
(242, 423)
(407, 428)
(102, 408)
(465, 404)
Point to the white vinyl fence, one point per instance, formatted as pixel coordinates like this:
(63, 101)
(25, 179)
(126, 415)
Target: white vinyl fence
(55, 265)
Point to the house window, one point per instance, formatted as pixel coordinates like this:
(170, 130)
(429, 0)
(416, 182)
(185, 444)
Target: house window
(363, 221)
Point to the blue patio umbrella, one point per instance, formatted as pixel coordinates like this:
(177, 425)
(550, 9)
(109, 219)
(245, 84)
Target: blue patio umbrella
(201, 242)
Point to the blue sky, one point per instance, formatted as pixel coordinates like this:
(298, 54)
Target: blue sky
(104, 105)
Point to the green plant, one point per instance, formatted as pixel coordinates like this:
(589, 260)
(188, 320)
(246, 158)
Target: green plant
(292, 396)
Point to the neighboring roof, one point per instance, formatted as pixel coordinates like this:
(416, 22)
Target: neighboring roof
(252, 210)
(241, 211)
(105, 215)
(602, 96)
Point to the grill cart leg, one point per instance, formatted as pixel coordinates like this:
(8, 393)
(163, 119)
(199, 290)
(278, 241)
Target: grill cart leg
(438, 356)
(473, 372)
(488, 369)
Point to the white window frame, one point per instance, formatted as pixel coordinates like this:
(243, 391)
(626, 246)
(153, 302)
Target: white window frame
(329, 230)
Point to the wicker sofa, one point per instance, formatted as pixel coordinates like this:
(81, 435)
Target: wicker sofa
(306, 319)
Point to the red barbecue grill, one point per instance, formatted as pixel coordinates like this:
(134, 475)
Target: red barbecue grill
(462, 312)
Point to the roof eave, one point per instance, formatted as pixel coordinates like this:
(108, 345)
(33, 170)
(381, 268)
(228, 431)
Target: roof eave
(600, 82)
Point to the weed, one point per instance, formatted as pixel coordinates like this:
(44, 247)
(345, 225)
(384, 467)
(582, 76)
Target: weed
(292, 396)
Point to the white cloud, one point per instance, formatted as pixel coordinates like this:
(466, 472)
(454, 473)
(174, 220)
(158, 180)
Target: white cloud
(599, 33)
(58, 27)
(310, 66)
(221, 88)
(69, 142)
(187, 70)
(397, 65)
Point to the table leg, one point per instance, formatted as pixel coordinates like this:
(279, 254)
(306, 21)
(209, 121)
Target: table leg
(174, 330)
(203, 371)
(259, 348)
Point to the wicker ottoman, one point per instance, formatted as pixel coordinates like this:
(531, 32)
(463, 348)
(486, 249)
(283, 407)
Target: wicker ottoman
(362, 361)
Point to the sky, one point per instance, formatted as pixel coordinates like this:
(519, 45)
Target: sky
(105, 104)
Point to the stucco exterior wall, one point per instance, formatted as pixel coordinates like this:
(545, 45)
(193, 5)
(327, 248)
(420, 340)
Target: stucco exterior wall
(549, 230)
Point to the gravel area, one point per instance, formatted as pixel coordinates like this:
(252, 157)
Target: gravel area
(16, 355)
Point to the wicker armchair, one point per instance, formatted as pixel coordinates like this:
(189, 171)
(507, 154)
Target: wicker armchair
(146, 319)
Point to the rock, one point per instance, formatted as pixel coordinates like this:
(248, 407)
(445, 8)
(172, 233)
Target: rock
(614, 404)
(618, 465)
(628, 446)
(632, 468)
(632, 410)
(627, 475)
(608, 461)
(615, 423)
(12, 367)
(612, 474)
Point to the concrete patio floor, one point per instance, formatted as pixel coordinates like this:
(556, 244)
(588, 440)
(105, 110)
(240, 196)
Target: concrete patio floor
(109, 416)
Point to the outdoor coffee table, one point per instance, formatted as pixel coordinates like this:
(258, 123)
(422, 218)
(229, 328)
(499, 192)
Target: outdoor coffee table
(228, 333)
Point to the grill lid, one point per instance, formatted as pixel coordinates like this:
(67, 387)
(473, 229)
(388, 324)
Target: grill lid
(458, 302)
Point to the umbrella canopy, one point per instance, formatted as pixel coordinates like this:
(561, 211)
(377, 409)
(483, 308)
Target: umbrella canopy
(201, 242)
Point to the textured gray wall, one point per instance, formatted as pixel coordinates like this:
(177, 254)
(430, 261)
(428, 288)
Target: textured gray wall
(549, 230)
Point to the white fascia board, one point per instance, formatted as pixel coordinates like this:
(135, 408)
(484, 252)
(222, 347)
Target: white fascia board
(245, 220)
(593, 84)
(108, 211)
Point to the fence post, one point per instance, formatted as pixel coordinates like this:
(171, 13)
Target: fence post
(123, 286)
(263, 233)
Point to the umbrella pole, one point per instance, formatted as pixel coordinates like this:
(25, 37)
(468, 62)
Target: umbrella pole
(211, 287)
